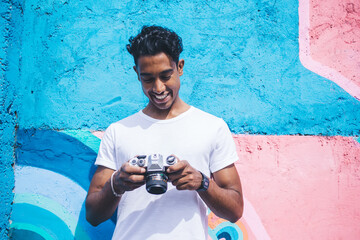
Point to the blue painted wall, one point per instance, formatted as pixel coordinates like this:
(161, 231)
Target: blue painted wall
(76, 72)
(10, 20)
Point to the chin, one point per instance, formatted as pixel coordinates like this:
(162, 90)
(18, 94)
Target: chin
(162, 108)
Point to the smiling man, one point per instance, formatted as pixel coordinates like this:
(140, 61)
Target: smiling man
(203, 172)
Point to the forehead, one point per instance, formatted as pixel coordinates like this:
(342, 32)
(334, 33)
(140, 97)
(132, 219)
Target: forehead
(158, 62)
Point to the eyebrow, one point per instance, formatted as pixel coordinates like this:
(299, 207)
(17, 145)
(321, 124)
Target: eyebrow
(163, 72)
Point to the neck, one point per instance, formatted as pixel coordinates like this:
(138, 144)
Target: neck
(175, 110)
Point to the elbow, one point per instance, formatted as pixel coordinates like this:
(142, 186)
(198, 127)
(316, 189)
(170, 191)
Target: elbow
(238, 213)
(90, 217)
(236, 216)
(91, 220)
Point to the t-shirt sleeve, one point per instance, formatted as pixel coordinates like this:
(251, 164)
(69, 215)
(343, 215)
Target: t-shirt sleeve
(224, 150)
(106, 154)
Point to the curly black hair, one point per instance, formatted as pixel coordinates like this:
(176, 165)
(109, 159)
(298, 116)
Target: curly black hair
(153, 40)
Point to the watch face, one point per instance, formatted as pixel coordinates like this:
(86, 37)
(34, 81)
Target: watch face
(204, 183)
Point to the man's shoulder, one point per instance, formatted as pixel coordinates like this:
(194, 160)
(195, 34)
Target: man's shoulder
(128, 121)
(130, 118)
(205, 116)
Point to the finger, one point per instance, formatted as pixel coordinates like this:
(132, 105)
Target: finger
(130, 177)
(181, 179)
(190, 182)
(181, 187)
(185, 186)
(177, 166)
(129, 182)
(135, 178)
(131, 169)
(175, 176)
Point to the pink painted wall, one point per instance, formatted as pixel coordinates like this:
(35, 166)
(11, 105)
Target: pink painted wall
(329, 40)
(335, 35)
(300, 187)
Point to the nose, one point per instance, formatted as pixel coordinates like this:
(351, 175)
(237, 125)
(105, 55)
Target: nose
(158, 86)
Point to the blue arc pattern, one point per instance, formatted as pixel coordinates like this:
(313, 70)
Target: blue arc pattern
(53, 172)
(226, 231)
(57, 152)
(50, 223)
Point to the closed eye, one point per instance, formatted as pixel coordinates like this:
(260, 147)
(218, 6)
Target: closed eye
(165, 77)
(147, 80)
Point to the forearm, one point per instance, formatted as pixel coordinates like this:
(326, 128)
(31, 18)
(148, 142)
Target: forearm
(101, 205)
(226, 203)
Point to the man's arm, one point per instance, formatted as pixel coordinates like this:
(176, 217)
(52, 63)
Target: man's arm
(224, 195)
(101, 202)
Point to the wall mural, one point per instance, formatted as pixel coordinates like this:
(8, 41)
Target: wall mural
(52, 174)
(298, 174)
(308, 185)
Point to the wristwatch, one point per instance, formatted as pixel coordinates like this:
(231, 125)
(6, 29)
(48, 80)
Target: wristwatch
(204, 183)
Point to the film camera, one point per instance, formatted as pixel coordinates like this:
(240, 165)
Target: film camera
(156, 165)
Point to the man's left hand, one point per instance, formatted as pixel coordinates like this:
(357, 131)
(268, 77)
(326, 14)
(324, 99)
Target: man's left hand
(184, 177)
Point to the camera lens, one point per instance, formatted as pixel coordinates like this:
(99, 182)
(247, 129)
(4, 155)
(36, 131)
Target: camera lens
(156, 182)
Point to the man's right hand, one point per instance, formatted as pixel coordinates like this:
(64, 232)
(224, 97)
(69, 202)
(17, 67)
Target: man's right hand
(128, 178)
(100, 202)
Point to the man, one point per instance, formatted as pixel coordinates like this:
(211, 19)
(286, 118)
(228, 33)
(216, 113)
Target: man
(201, 143)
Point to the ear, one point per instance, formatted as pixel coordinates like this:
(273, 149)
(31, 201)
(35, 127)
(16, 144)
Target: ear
(181, 66)
(135, 69)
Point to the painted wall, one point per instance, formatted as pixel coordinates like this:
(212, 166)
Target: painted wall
(242, 54)
(307, 185)
(10, 13)
(263, 66)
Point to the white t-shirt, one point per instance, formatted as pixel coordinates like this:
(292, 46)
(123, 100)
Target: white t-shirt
(202, 139)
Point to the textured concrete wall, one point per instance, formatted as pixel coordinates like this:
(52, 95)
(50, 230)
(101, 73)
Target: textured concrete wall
(10, 19)
(6, 127)
(261, 65)
(243, 55)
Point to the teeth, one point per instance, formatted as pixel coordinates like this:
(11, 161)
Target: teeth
(161, 97)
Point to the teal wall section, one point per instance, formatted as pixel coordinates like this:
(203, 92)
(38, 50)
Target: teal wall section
(10, 31)
(76, 72)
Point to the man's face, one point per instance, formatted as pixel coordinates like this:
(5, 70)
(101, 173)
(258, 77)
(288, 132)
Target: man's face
(160, 80)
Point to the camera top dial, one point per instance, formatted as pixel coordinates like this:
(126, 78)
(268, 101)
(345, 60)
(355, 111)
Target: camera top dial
(170, 160)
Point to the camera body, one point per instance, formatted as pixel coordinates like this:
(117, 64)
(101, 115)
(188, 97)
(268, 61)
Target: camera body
(156, 165)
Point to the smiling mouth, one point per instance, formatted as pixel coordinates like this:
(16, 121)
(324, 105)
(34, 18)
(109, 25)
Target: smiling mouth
(160, 98)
